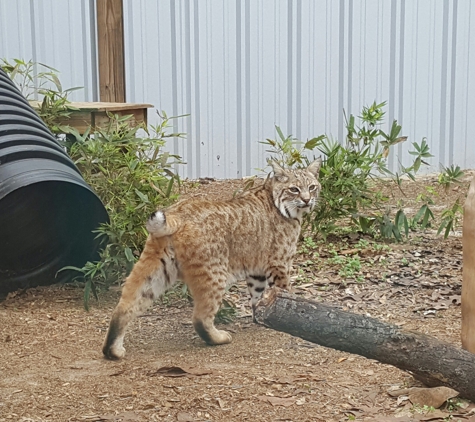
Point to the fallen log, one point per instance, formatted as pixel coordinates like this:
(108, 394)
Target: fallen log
(433, 361)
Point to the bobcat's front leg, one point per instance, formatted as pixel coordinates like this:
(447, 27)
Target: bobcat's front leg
(280, 277)
(256, 285)
(149, 278)
(275, 275)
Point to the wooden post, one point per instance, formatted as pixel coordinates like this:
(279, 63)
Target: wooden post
(110, 37)
(468, 283)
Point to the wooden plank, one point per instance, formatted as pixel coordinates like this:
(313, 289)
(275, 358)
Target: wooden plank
(108, 106)
(110, 37)
(99, 106)
(85, 114)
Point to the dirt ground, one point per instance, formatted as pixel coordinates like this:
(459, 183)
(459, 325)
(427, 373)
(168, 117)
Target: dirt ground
(52, 369)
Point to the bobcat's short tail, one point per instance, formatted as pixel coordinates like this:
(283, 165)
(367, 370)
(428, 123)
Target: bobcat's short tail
(159, 225)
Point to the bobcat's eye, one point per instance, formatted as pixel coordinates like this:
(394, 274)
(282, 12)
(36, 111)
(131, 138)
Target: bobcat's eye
(311, 188)
(293, 189)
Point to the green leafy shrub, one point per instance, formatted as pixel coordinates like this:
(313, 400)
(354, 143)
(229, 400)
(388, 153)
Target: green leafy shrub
(133, 176)
(350, 171)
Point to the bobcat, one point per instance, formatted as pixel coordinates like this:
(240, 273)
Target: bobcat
(208, 244)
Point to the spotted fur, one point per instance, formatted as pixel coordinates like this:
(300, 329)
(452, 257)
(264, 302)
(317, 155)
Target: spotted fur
(209, 244)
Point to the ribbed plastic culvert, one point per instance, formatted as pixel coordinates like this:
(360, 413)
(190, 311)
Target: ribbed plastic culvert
(47, 210)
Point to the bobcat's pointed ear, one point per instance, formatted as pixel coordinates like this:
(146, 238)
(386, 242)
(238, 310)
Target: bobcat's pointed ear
(279, 171)
(314, 167)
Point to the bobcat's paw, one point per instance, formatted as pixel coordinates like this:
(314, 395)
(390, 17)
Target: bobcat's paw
(221, 337)
(211, 335)
(114, 352)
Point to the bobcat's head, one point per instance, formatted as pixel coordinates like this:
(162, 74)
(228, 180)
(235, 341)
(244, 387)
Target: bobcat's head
(295, 191)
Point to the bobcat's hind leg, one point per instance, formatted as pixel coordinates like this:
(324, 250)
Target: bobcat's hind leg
(207, 295)
(152, 275)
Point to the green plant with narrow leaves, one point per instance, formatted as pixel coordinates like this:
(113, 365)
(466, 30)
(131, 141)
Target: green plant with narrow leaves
(450, 176)
(349, 170)
(31, 77)
(133, 176)
(451, 218)
(88, 273)
(289, 151)
(227, 313)
(39, 81)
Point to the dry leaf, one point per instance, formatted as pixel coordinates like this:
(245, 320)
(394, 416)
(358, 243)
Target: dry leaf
(185, 417)
(176, 371)
(398, 392)
(342, 360)
(435, 415)
(121, 417)
(402, 399)
(434, 397)
(278, 401)
(349, 252)
(290, 379)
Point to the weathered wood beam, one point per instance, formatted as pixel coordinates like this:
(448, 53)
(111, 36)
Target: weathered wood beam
(468, 283)
(437, 362)
(110, 50)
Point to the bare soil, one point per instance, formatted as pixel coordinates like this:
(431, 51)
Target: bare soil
(52, 369)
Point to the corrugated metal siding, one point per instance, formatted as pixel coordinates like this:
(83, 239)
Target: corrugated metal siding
(239, 67)
(60, 34)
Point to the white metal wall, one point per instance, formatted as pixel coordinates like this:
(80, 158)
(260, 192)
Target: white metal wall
(239, 67)
(60, 34)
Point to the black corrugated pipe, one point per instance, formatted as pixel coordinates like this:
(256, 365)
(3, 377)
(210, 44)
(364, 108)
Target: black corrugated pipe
(47, 210)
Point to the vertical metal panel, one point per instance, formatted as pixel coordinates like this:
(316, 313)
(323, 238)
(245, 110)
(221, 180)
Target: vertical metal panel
(55, 33)
(239, 67)
(16, 28)
(464, 103)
